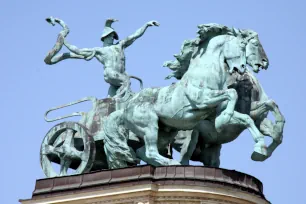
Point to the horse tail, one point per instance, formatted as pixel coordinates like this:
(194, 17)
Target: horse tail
(116, 148)
(59, 42)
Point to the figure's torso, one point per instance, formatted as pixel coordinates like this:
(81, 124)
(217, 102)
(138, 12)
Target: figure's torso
(112, 57)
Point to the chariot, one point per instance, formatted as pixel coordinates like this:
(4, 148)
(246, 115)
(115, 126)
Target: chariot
(77, 146)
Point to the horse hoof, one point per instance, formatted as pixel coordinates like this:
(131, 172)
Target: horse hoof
(258, 157)
(174, 162)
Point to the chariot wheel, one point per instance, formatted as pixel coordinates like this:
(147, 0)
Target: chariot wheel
(69, 145)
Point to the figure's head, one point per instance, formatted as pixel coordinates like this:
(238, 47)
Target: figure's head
(255, 54)
(109, 34)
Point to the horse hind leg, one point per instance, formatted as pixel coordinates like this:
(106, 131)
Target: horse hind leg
(185, 143)
(152, 153)
(147, 125)
(210, 156)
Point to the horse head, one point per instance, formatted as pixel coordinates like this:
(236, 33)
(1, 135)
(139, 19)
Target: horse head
(255, 54)
(243, 47)
(234, 51)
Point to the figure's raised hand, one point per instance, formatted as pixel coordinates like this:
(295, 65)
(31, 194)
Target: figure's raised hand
(51, 20)
(153, 23)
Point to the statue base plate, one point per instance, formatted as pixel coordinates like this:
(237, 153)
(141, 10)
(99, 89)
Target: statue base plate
(148, 185)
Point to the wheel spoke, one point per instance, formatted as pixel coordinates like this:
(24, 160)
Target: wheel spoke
(48, 149)
(76, 154)
(69, 140)
(59, 140)
(65, 164)
(59, 150)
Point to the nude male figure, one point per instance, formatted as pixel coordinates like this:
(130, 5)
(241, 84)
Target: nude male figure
(111, 55)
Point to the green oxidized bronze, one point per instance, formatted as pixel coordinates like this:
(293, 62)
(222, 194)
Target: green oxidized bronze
(215, 99)
(110, 55)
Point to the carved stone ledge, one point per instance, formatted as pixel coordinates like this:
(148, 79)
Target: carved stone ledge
(148, 185)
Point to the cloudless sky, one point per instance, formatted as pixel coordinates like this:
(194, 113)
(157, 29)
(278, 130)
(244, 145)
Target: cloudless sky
(28, 87)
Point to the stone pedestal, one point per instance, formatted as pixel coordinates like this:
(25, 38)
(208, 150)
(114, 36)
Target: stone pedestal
(148, 185)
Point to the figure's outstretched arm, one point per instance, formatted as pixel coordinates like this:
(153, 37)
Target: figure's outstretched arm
(53, 57)
(62, 56)
(130, 39)
(86, 53)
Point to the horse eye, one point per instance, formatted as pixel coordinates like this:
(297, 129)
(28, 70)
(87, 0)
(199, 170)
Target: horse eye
(242, 44)
(255, 42)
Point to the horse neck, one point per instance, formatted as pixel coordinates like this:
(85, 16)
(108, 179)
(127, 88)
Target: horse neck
(209, 62)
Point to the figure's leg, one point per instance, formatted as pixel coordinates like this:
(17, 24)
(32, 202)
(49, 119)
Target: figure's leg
(114, 77)
(210, 156)
(112, 90)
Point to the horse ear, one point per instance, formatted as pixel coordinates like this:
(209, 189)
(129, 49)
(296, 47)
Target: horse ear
(245, 33)
(235, 31)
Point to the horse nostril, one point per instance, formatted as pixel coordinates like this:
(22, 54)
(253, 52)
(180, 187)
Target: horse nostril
(242, 66)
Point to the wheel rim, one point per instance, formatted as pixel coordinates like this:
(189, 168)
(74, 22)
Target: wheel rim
(59, 142)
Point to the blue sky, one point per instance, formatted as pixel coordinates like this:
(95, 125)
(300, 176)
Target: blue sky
(28, 87)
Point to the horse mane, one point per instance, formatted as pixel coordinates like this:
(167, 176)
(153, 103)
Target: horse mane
(189, 48)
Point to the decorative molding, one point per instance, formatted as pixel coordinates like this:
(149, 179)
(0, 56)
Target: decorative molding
(165, 200)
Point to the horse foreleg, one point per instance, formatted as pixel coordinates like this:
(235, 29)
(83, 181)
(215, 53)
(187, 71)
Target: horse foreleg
(260, 150)
(268, 129)
(229, 116)
(259, 112)
(259, 109)
(273, 130)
